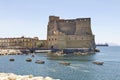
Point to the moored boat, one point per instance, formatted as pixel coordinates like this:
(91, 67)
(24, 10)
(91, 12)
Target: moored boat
(40, 62)
(65, 63)
(98, 63)
(11, 59)
(28, 59)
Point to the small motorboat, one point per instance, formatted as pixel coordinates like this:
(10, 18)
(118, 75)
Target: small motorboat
(98, 63)
(65, 63)
(11, 59)
(28, 59)
(40, 62)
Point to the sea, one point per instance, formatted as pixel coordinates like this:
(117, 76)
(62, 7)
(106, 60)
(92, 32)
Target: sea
(81, 67)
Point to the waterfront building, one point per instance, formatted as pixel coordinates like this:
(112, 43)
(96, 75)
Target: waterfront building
(20, 42)
(70, 33)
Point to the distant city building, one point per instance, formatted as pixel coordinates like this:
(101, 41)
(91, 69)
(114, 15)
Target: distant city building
(71, 33)
(20, 42)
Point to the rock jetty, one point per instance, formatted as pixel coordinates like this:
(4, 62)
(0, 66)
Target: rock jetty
(11, 76)
(9, 52)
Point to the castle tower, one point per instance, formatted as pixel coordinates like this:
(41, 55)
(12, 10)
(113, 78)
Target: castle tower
(55, 38)
(72, 33)
(83, 26)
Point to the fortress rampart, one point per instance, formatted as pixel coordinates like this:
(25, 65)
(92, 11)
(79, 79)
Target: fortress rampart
(70, 33)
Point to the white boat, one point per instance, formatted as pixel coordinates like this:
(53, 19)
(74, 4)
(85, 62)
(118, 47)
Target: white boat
(65, 63)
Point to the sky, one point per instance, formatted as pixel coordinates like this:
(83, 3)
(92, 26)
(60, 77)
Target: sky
(29, 18)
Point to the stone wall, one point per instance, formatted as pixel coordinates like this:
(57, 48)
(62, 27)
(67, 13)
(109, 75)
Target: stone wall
(57, 41)
(72, 33)
(78, 44)
(83, 26)
(68, 27)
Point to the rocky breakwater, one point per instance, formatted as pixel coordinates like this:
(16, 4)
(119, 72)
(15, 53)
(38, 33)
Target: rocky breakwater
(9, 52)
(11, 76)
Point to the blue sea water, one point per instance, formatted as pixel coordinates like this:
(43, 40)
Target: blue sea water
(81, 67)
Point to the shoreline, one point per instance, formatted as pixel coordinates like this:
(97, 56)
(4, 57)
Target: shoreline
(12, 76)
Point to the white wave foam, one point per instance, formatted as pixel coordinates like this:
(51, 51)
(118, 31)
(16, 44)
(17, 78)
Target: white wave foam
(85, 71)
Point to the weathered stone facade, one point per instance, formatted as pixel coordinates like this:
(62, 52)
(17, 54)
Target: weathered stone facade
(73, 33)
(22, 42)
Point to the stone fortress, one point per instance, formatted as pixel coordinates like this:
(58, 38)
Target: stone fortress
(61, 34)
(70, 33)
